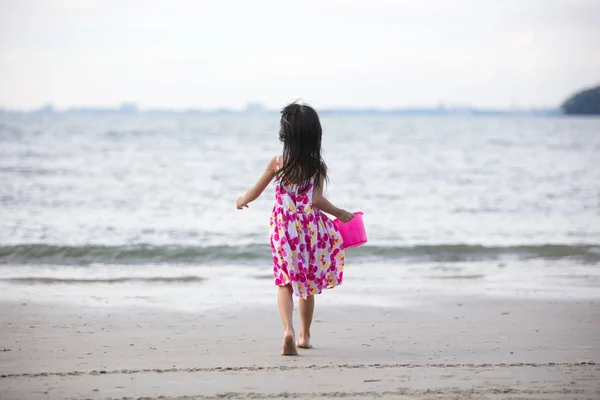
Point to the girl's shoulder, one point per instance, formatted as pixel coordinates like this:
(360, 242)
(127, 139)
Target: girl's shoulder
(274, 165)
(277, 162)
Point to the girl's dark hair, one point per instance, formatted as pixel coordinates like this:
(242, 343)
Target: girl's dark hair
(301, 132)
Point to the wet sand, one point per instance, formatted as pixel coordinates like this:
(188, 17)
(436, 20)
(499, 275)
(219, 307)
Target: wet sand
(458, 348)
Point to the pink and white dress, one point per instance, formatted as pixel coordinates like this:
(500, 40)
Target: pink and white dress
(308, 251)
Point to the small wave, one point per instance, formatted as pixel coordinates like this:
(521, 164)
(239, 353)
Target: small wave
(453, 277)
(465, 253)
(261, 277)
(35, 254)
(136, 254)
(56, 281)
(25, 171)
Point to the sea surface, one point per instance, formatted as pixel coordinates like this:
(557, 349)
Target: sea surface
(113, 209)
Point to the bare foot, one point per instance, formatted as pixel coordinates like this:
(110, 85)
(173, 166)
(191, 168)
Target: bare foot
(304, 342)
(289, 347)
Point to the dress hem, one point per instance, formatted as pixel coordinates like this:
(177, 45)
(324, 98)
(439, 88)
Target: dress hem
(316, 293)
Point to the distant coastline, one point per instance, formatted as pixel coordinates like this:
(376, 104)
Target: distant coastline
(257, 109)
(584, 102)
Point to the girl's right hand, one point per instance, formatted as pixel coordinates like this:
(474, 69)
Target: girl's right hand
(345, 216)
(240, 203)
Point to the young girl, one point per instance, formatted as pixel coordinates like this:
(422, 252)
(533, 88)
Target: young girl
(308, 253)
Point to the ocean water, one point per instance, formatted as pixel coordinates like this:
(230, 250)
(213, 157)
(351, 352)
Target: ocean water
(139, 209)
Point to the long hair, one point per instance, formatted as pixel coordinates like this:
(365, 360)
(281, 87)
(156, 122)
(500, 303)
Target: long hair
(300, 131)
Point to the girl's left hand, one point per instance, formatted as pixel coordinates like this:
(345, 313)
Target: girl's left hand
(239, 203)
(345, 216)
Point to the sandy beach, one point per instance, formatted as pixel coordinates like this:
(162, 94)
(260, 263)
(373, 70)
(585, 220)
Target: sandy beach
(458, 348)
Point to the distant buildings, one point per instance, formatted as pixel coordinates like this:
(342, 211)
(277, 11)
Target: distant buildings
(579, 102)
(124, 108)
(255, 108)
(128, 108)
(47, 109)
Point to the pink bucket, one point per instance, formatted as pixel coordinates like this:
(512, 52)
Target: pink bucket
(353, 232)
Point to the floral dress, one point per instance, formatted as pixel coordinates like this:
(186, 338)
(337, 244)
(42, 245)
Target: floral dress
(308, 251)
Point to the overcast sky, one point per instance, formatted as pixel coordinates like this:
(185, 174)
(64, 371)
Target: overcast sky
(384, 53)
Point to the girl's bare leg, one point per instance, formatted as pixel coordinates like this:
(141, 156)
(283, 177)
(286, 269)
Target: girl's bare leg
(307, 308)
(286, 308)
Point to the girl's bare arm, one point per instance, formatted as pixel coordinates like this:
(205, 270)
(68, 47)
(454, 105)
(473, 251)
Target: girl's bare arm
(260, 185)
(325, 205)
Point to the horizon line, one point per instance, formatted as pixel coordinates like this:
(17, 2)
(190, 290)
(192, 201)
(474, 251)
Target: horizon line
(257, 108)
